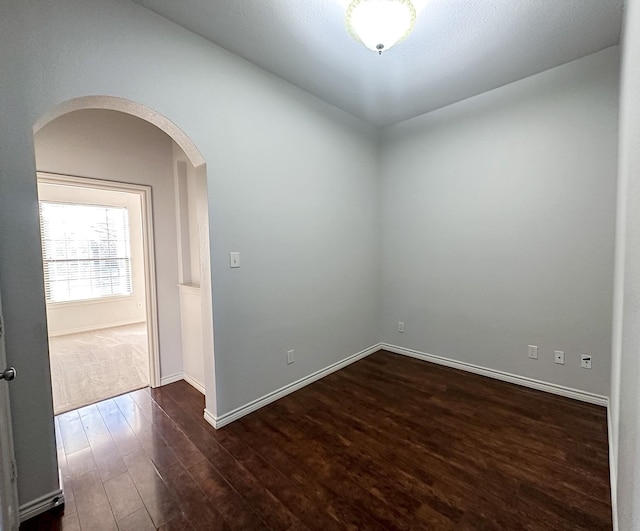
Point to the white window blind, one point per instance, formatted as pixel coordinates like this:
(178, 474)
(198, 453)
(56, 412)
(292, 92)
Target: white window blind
(85, 251)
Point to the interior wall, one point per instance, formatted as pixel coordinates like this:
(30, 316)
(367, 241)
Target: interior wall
(190, 205)
(114, 146)
(625, 376)
(498, 226)
(194, 232)
(78, 316)
(289, 186)
(292, 187)
(188, 201)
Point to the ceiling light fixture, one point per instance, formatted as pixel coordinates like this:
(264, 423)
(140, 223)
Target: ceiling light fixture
(379, 24)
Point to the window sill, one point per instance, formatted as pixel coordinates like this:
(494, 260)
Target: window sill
(87, 302)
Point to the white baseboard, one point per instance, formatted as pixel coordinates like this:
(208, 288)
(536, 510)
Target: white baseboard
(194, 383)
(165, 380)
(613, 472)
(568, 392)
(93, 328)
(555, 389)
(211, 419)
(42, 504)
(227, 418)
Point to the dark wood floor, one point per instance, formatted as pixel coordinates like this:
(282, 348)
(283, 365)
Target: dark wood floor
(387, 443)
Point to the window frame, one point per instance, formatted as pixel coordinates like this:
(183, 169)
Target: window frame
(95, 300)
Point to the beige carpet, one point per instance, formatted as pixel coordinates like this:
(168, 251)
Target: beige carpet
(92, 366)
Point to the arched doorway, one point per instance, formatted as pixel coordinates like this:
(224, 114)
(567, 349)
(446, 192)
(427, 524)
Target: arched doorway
(192, 280)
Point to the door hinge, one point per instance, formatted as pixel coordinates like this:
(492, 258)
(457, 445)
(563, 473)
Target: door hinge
(1, 327)
(14, 470)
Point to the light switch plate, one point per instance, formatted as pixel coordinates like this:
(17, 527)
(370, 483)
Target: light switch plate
(234, 259)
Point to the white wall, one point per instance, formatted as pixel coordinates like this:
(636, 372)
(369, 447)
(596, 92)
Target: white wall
(194, 232)
(114, 146)
(192, 338)
(188, 200)
(290, 187)
(625, 376)
(498, 225)
(76, 316)
(189, 205)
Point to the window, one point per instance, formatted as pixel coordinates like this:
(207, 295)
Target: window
(85, 251)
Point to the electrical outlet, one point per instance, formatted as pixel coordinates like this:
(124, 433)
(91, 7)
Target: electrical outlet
(400, 327)
(585, 361)
(558, 357)
(533, 352)
(290, 357)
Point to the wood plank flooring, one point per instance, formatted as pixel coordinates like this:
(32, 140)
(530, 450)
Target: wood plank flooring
(387, 443)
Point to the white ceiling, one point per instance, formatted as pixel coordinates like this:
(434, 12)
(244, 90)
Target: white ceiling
(459, 48)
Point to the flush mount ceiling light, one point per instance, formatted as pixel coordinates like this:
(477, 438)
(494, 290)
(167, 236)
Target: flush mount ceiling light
(379, 24)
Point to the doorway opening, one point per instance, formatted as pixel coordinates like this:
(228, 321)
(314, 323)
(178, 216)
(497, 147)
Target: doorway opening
(110, 141)
(98, 268)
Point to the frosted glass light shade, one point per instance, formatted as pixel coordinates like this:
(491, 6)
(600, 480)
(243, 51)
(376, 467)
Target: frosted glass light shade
(379, 24)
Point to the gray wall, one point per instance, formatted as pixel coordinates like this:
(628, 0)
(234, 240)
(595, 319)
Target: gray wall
(498, 225)
(290, 182)
(625, 376)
